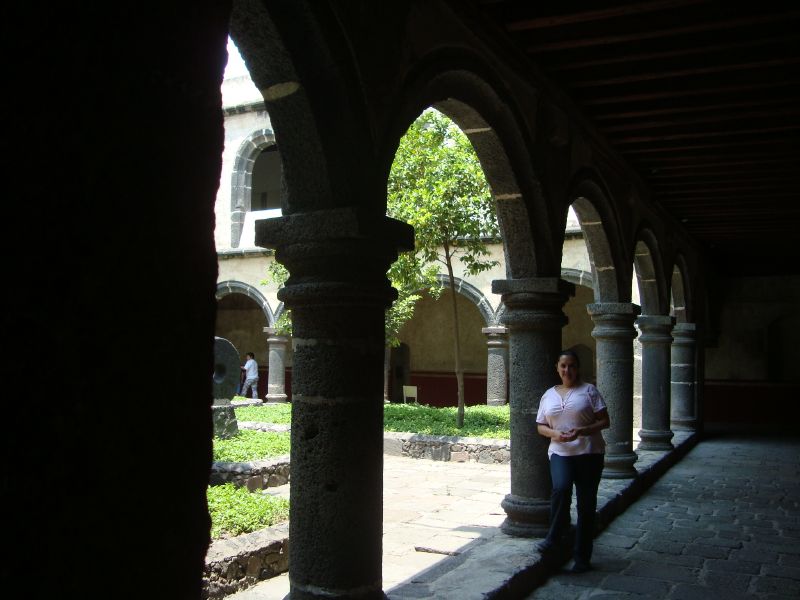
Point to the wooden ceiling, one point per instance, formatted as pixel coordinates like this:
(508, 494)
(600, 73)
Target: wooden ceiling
(701, 98)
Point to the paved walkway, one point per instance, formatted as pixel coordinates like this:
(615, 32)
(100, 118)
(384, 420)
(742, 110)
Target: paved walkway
(722, 523)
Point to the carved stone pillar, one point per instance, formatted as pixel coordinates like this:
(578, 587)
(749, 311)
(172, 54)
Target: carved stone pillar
(656, 342)
(534, 320)
(337, 292)
(277, 345)
(684, 406)
(614, 332)
(496, 365)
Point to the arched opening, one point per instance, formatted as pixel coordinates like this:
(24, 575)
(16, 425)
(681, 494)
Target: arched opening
(429, 343)
(241, 321)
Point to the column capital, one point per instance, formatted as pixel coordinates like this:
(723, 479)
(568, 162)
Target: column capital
(684, 333)
(656, 322)
(495, 330)
(533, 285)
(614, 308)
(335, 257)
(274, 336)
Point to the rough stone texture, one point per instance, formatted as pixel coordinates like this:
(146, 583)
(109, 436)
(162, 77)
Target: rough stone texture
(683, 402)
(656, 343)
(497, 365)
(447, 448)
(534, 319)
(255, 475)
(236, 563)
(614, 332)
(225, 424)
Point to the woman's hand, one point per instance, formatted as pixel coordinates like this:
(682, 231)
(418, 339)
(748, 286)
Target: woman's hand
(567, 436)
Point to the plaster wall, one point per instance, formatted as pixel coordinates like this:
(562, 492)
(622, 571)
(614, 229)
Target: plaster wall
(249, 268)
(242, 322)
(578, 331)
(430, 340)
(758, 330)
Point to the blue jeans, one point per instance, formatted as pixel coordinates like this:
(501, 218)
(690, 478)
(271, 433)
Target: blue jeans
(583, 471)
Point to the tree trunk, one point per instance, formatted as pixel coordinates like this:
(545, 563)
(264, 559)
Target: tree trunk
(457, 343)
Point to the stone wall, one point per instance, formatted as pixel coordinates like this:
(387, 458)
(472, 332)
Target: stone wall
(242, 561)
(256, 475)
(447, 448)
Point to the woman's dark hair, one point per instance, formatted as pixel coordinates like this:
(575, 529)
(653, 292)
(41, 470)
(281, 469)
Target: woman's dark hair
(571, 353)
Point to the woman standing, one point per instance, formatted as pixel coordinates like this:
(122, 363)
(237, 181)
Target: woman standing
(572, 415)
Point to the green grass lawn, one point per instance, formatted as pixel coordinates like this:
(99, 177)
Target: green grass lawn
(250, 445)
(235, 510)
(479, 421)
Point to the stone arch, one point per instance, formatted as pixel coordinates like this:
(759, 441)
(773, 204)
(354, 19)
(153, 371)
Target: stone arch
(575, 276)
(680, 292)
(242, 178)
(578, 277)
(288, 83)
(611, 279)
(225, 288)
(469, 95)
(473, 294)
(647, 263)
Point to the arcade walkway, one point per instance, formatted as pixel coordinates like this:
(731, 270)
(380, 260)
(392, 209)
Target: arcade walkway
(723, 523)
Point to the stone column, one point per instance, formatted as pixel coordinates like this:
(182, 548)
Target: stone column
(534, 320)
(684, 406)
(337, 292)
(614, 332)
(497, 365)
(656, 342)
(276, 382)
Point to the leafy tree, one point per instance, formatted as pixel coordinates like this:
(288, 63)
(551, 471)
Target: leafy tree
(277, 273)
(437, 185)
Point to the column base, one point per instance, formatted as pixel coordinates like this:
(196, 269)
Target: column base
(683, 424)
(527, 517)
(620, 466)
(496, 402)
(277, 398)
(655, 440)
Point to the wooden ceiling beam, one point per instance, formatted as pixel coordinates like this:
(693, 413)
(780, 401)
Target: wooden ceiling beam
(701, 135)
(588, 16)
(717, 118)
(650, 34)
(692, 72)
(627, 59)
(694, 92)
(635, 114)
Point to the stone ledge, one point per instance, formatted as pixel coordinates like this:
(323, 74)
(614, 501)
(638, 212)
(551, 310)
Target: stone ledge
(255, 475)
(447, 447)
(237, 563)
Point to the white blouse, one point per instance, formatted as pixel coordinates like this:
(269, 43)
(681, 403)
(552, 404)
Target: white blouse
(576, 409)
